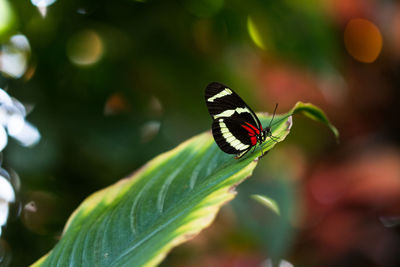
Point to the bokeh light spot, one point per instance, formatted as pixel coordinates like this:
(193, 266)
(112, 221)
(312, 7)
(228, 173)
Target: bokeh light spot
(7, 18)
(12, 116)
(41, 211)
(85, 48)
(7, 195)
(14, 56)
(149, 130)
(254, 33)
(116, 104)
(390, 221)
(3, 138)
(363, 40)
(155, 107)
(42, 5)
(282, 263)
(42, 2)
(28, 135)
(15, 123)
(6, 190)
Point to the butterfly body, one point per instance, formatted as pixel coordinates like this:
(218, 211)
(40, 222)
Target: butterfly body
(236, 128)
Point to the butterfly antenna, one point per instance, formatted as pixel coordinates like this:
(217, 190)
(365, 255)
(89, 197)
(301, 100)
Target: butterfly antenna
(274, 138)
(273, 115)
(281, 119)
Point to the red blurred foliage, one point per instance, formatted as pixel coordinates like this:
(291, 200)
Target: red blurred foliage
(345, 202)
(289, 84)
(343, 10)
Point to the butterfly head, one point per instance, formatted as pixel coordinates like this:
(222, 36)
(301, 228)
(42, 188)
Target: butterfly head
(267, 132)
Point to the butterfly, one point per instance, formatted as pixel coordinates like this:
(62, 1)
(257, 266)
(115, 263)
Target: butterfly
(236, 128)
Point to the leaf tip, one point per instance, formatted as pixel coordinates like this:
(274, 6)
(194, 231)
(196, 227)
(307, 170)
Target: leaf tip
(315, 113)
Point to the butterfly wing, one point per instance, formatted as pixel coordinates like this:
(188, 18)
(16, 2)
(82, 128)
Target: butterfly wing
(223, 102)
(233, 136)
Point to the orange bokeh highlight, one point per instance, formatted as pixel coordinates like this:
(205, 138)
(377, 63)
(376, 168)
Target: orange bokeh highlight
(116, 104)
(363, 40)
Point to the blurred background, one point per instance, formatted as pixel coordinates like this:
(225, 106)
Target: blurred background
(111, 84)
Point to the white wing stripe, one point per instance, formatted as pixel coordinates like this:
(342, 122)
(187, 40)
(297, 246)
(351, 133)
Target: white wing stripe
(223, 93)
(229, 112)
(231, 139)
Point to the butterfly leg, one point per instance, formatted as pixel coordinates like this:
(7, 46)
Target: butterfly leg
(262, 152)
(262, 155)
(274, 138)
(241, 154)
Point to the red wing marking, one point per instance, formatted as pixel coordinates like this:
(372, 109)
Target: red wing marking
(253, 140)
(251, 131)
(254, 128)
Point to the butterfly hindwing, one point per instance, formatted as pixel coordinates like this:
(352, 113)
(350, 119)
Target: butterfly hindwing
(234, 136)
(223, 102)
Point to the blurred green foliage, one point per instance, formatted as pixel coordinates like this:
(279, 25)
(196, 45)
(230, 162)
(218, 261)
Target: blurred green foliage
(7, 20)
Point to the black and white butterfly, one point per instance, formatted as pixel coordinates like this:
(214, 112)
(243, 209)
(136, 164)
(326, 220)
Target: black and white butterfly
(235, 127)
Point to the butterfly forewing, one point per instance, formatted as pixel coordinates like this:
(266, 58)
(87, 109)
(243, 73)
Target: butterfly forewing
(223, 102)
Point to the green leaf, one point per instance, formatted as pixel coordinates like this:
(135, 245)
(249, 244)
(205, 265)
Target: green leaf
(139, 219)
(315, 113)
(267, 202)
